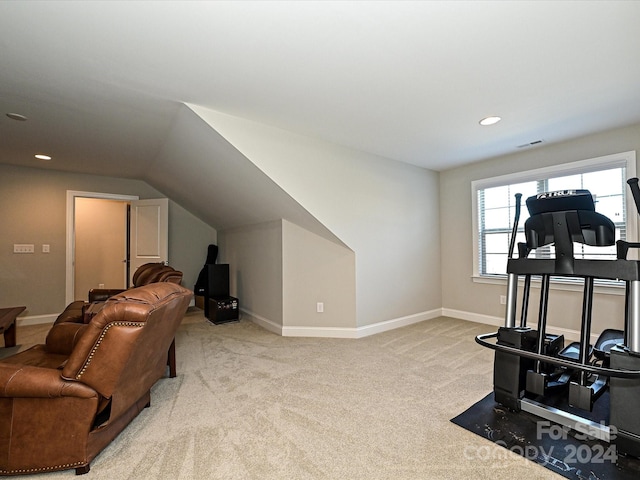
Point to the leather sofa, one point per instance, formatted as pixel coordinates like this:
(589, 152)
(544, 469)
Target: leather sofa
(81, 311)
(144, 275)
(63, 402)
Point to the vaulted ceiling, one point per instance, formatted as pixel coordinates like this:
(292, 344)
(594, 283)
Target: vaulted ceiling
(101, 83)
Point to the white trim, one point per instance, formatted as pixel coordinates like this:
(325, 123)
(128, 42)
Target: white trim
(623, 159)
(473, 317)
(354, 333)
(263, 322)
(392, 324)
(569, 334)
(626, 159)
(367, 330)
(342, 332)
(71, 196)
(320, 332)
(36, 320)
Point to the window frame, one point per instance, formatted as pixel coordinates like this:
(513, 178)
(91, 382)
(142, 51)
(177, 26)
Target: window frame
(626, 160)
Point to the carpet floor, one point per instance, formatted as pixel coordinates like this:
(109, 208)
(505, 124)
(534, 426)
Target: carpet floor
(574, 455)
(249, 404)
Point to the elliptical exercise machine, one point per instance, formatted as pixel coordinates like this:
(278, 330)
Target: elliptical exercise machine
(534, 371)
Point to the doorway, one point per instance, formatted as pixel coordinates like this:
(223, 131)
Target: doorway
(100, 244)
(146, 236)
(99, 222)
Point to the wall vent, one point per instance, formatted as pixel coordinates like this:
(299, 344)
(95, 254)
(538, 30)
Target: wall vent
(530, 144)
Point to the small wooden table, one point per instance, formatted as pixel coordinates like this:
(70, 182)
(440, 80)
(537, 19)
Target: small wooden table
(8, 324)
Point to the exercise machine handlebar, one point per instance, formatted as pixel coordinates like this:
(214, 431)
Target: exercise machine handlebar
(607, 372)
(622, 246)
(635, 191)
(516, 219)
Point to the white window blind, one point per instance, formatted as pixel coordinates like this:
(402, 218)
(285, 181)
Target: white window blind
(494, 207)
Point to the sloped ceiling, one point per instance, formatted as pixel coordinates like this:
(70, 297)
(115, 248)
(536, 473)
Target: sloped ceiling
(221, 186)
(102, 83)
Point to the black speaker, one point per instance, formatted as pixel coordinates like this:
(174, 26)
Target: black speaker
(218, 280)
(216, 285)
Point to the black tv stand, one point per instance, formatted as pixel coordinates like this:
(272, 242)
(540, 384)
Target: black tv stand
(219, 305)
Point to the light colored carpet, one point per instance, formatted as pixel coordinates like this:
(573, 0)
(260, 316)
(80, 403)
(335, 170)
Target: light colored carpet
(249, 404)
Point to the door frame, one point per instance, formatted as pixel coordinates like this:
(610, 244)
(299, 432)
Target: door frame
(70, 260)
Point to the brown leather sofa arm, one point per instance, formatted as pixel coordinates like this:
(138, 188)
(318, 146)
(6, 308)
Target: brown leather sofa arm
(62, 337)
(168, 274)
(23, 381)
(103, 294)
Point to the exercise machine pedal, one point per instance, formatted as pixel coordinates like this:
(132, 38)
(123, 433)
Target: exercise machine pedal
(606, 341)
(511, 374)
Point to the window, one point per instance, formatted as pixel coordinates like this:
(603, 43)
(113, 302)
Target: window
(494, 207)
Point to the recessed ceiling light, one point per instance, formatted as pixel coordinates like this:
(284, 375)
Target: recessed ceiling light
(490, 120)
(43, 157)
(17, 116)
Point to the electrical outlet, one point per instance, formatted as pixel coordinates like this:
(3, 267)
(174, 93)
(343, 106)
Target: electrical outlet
(23, 248)
(320, 307)
(503, 300)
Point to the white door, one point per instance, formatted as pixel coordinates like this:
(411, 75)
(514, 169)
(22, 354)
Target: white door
(149, 232)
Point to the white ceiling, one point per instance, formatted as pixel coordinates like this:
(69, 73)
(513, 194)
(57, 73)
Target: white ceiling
(101, 82)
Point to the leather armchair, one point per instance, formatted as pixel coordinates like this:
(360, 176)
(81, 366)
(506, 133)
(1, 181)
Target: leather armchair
(81, 311)
(63, 402)
(144, 275)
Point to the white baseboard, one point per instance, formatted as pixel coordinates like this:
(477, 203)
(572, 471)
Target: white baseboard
(341, 332)
(569, 334)
(473, 317)
(262, 321)
(387, 325)
(36, 319)
(353, 332)
(320, 332)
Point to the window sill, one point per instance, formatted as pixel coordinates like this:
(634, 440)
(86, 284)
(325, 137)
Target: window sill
(557, 283)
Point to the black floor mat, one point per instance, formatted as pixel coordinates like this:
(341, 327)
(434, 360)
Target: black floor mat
(570, 454)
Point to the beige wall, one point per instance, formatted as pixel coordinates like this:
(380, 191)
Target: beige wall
(316, 270)
(280, 271)
(189, 238)
(33, 210)
(254, 255)
(466, 298)
(399, 222)
(387, 212)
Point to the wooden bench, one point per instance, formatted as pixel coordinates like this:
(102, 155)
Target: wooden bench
(8, 324)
